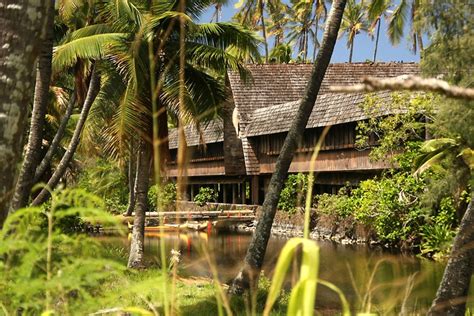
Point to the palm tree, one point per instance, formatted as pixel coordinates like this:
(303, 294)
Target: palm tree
(35, 139)
(125, 39)
(251, 12)
(256, 251)
(300, 26)
(20, 38)
(278, 21)
(353, 23)
(375, 11)
(320, 13)
(218, 4)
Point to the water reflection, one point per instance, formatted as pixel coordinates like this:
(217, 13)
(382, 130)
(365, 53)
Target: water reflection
(370, 279)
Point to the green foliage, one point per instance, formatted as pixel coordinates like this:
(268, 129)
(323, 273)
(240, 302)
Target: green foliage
(43, 269)
(293, 194)
(302, 297)
(281, 54)
(164, 196)
(391, 134)
(205, 196)
(105, 179)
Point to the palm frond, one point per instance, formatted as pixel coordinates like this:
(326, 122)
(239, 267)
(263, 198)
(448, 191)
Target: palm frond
(397, 21)
(90, 47)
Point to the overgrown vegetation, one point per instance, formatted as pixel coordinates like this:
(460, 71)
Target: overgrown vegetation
(205, 195)
(164, 196)
(294, 193)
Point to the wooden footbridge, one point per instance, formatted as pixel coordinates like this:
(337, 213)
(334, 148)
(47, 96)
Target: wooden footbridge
(195, 220)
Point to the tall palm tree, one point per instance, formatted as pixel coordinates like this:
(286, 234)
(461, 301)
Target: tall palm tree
(35, 138)
(252, 12)
(353, 23)
(300, 26)
(376, 10)
(320, 14)
(278, 20)
(124, 40)
(256, 252)
(21, 35)
(218, 4)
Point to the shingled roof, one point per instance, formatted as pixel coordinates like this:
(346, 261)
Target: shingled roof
(273, 84)
(212, 132)
(329, 109)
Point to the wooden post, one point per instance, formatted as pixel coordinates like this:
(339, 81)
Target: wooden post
(224, 192)
(192, 192)
(254, 190)
(243, 191)
(234, 193)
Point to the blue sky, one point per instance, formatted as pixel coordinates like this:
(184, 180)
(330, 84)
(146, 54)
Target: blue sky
(363, 47)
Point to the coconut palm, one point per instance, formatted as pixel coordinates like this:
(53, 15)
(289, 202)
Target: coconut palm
(353, 23)
(248, 275)
(252, 12)
(320, 14)
(278, 20)
(376, 10)
(301, 26)
(218, 4)
(126, 38)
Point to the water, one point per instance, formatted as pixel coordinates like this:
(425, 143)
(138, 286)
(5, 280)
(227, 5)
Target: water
(383, 280)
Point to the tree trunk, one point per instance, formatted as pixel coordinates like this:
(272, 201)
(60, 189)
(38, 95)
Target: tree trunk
(254, 258)
(94, 87)
(454, 287)
(135, 260)
(22, 29)
(264, 30)
(45, 162)
(352, 50)
(132, 180)
(33, 149)
(377, 40)
(315, 47)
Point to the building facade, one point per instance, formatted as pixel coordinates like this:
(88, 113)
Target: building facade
(237, 154)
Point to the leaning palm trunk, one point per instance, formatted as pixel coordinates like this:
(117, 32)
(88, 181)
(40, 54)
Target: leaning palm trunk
(454, 288)
(21, 34)
(56, 140)
(35, 139)
(135, 259)
(94, 87)
(256, 252)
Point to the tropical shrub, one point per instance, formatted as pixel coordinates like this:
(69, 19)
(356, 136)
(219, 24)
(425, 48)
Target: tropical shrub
(205, 195)
(42, 269)
(294, 193)
(106, 180)
(165, 197)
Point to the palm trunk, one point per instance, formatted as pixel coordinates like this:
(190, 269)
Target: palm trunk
(377, 40)
(132, 179)
(45, 162)
(453, 290)
(33, 149)
(352, 50)
(135, 260)
(256, 252)
(264, 31)
(163, 147)
(22, 23)
(315, 47)
(94, 87)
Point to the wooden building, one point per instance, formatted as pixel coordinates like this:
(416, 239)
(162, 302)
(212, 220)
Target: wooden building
(239, 160)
